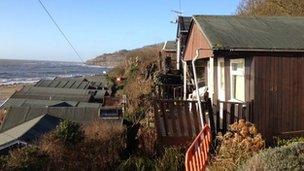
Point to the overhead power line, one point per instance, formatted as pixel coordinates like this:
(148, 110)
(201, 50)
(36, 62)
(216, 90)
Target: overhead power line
(60, 30)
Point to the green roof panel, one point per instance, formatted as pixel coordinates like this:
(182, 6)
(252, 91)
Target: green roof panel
(243, 32)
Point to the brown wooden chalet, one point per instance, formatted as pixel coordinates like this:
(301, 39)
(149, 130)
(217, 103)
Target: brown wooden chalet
(252, 63)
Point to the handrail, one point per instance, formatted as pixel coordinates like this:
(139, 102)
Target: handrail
(197, 154)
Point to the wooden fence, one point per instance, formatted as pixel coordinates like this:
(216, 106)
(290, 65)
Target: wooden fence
(229, 112)
(178, 121)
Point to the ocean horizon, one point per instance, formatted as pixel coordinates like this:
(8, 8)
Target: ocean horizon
(15, 71)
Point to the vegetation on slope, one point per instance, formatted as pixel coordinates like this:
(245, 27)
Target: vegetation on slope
(271, 8)
(117, 58)
(290, 157)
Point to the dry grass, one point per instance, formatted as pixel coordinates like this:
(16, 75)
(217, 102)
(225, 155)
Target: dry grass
(102, 130)
(140, 75)
(147, 141)
(100, 149)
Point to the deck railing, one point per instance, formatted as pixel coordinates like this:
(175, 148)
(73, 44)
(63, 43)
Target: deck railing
(172, 91)
(197, 154)
(230, 112)
(178, 121)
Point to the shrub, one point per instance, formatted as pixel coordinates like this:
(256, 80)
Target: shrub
(62, 156)
(116, 72)
(240, 143)
(137, 163)
(285, 142)
(147, 141)
(289, 157)
(99, 149)
(103, 144)
(3, 162)
(27, 158)
(69, 132)
(172, 159)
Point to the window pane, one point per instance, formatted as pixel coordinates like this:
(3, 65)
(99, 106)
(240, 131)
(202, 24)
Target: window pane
(237, 66)
(238, 89)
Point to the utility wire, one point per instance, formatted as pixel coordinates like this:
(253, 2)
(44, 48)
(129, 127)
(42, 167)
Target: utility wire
(60, 30)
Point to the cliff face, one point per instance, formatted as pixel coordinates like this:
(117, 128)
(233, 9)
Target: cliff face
(120, 57)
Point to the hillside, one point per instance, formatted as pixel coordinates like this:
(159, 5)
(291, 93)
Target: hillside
(119, 57)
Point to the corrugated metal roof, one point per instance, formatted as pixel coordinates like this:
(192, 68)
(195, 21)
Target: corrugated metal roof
(72, 83)
(18, 131)
(169, 46)
(63, 94)
(16, 102)
(18, 115)
(243, 32)
(30, 130)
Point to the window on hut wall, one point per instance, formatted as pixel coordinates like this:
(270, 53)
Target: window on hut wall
(200, 71)
(237, 74)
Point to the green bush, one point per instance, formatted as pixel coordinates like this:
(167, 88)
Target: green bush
(137, 163)
(27, 158)
(284, 142)
(3, 162)
(172, 159)
(69, 132)
(289, 157)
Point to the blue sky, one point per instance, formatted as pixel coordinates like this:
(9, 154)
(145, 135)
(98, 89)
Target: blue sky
(93, 26)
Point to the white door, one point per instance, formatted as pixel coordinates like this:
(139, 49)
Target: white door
(221, 79)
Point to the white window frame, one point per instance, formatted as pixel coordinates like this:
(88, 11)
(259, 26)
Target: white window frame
(221, 94)
(240, 73)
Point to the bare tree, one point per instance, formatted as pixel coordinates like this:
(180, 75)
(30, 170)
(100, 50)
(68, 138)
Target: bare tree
(271, 8)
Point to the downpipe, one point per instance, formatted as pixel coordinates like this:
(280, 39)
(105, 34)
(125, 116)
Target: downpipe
(196, 86)
(185, 78)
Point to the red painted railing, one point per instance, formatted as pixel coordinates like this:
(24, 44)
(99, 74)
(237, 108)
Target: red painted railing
(197, 154)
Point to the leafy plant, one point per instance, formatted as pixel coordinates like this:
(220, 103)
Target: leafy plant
(285, 142)
(3, 162)
(27, 158)
(137, 163)
(289, 157)
(69, 132)
(172, 159)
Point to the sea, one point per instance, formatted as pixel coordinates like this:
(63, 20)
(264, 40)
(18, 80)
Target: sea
(30, 71)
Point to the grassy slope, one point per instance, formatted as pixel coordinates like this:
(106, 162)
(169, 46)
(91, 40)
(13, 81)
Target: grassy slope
(117, 58)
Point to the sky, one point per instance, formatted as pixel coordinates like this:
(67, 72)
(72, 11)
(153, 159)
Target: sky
(93, 26)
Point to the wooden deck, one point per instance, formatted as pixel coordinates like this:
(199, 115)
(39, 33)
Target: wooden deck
(178, 121)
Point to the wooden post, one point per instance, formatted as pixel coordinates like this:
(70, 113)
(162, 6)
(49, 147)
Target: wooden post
(224, 117)
(211, 116)
(232, 113)
(157, 120)
(164, 117)
(218, 117)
